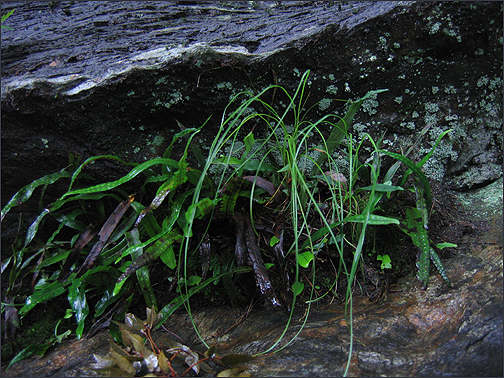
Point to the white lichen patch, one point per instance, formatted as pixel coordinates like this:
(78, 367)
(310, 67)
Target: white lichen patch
(224, 85)
(408, 125)
(324, 104)
(450, 89)
(332, 89)
(369, 105)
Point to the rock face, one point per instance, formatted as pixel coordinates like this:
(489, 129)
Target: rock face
(111, 78)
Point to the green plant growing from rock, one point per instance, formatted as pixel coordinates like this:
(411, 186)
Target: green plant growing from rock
(277, 184)
(4, 18)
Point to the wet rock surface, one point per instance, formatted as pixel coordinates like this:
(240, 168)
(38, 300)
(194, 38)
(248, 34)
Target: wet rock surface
(412, 332)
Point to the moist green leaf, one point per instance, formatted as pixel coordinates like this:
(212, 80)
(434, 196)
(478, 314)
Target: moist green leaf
(38, 349)
(304, 259)
(78, 302)
(26, 192)
(41, 295)
(297, 287)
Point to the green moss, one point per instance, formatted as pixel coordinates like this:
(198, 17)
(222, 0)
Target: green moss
(484, 202)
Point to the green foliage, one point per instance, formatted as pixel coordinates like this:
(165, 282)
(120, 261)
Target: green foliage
(5, 17)
(280, 173)
(385, 261)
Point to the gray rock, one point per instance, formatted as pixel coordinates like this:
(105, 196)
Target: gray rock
(111, 78)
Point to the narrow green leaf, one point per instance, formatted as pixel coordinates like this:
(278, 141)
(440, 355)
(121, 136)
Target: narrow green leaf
(42, 295)
(421, 202)
(418, 234)
(78, 302)
(227, 160)
(227, 205)
(56, 257)
(426, 157)
(249, 142)
(143, 278)
(6, 16)
(380, 188)
(168, 257)
(439, 265)
(372, 219)
(106, 300)
(33, 229)
(118, 286)
(152, 253)
(113, 184)
(142, 271)
(200, 209)
(415, 169)
(38, 349)
(445, 245)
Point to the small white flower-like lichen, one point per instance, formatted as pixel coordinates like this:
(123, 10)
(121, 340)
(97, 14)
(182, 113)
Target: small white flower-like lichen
(431, 107)
(324, 104)
(482, 81)
(332, 89)
(435, 28)
(450, 89)
(369, 105)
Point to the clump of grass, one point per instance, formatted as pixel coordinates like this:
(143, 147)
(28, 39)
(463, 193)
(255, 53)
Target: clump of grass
(280, 173)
